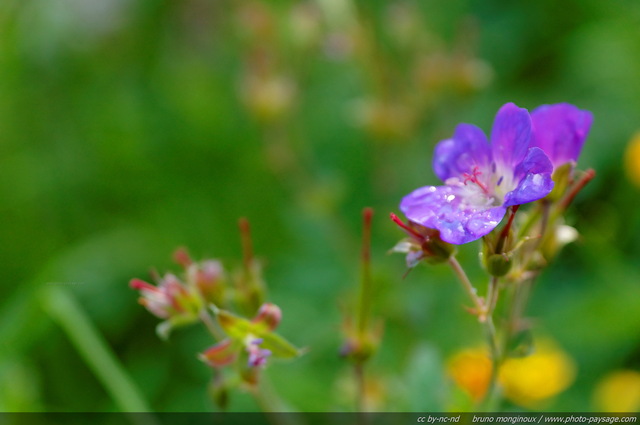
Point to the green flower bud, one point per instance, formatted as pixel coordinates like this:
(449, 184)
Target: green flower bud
(498, 265)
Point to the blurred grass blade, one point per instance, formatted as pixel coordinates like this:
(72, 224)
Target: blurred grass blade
(64, 310)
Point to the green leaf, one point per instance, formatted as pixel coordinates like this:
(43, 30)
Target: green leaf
(240, 328)
(279, 347)
(234, 326)
(63, 308)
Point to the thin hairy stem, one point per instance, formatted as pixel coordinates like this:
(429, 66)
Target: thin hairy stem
(468, 287)
(485, 317)
(493, 294)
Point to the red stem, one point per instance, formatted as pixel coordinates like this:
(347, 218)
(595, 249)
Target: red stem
(577, 187)
(247, 245)
(505, 230)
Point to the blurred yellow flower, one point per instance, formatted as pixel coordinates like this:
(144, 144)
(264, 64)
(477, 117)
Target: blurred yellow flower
(471, 371)
(618, 392)
(632, 159)
(526, 381)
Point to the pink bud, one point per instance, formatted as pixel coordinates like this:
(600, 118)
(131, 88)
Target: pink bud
(208, 277)
(181, 256)
(170, 298)
(269, 315)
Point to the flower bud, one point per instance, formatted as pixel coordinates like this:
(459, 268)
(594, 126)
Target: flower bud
(436, 250)
(219, 390)
(269, 316)
(219, 355)
(170, 299)
(208, 278)
(181, 256)
(423, 244)
(498, 265)
(357, 349)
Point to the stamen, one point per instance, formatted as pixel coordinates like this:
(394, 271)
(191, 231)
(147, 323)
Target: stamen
(405, 227)
(473, 178)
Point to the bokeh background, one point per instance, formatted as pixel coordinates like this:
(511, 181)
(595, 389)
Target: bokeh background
(131, 127)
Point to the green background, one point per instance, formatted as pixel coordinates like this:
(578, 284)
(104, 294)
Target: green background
(131, 127)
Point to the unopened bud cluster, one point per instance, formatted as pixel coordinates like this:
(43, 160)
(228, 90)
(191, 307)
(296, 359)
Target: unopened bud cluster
(203, 293)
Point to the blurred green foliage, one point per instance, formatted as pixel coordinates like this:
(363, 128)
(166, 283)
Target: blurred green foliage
(131, 127)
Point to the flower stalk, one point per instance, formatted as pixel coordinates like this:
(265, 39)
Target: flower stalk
(362, 336)
(485, 316)
(364, 308)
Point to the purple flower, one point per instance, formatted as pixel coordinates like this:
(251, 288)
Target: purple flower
(560, 130)
(482, 179)
(257, 356)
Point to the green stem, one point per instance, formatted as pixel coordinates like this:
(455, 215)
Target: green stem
(492, 296)
(364, 307)
(468, 287)
(358, 369)
(65, 310)
(269, 402)
(491, 398)
(210, 324)
(564, 203)
(485, 317)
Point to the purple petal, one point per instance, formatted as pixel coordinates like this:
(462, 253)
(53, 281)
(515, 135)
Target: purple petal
(444, 208)
(510, 135)
(560, 131)
(534, 177)
(467, 149)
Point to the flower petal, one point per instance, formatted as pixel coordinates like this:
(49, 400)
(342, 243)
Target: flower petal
(533, 175)
(510, 136)
(468, 148)
(444, 208)
(560, 130)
